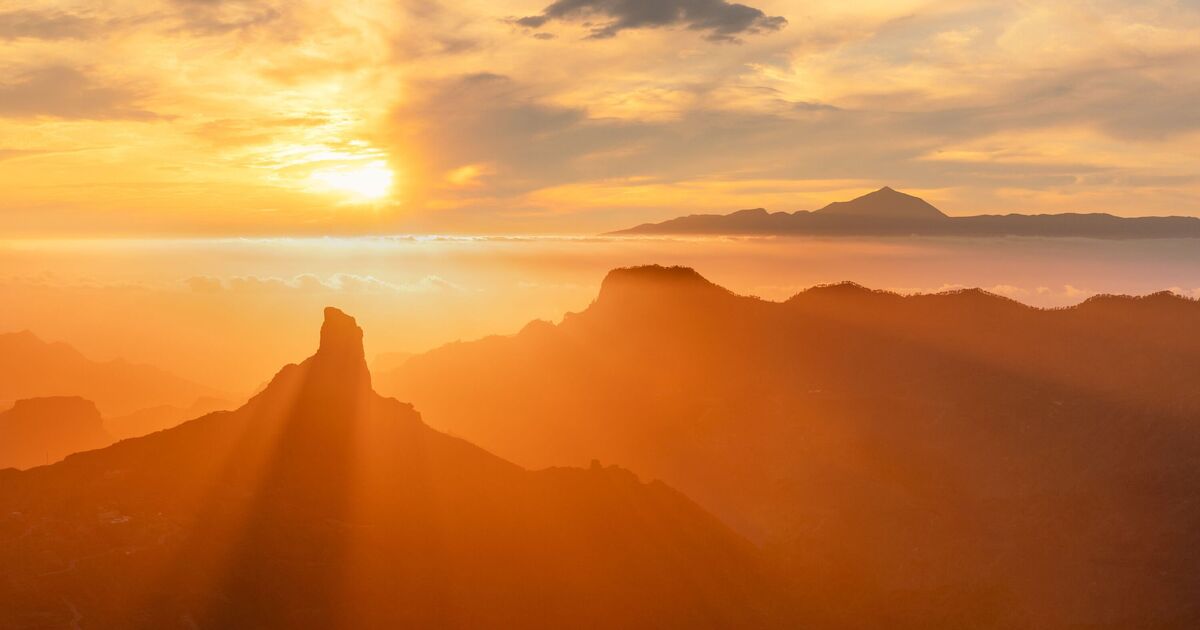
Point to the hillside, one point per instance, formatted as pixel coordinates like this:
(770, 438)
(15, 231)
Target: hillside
(950, 460)
(41, 431)
(320, 504)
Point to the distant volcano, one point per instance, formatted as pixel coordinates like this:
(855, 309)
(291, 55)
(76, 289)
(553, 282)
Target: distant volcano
(886, 203)
(887, 212)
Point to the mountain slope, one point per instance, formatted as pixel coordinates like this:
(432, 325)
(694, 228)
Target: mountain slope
(41, 431)
(885, 203)
(886, 212)
(951, 460)
(32, 368)
(320, 504)
(151, 419)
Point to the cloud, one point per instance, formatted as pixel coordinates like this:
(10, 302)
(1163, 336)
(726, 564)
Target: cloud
(64, 92)
(12, 154)
(719, 19)
(218, 17)
(338, 282)
(491, 119)
(48, 25)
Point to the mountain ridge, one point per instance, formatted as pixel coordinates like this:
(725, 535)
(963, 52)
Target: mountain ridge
(41, 431)
(887, 212)
(682, 279)
(31, 367)
(320, 504)
(941, 460)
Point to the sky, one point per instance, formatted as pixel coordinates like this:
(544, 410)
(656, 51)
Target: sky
(297, 117)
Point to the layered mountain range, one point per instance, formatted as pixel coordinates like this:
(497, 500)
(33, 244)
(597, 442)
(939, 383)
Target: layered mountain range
(321, 504)
(887, 212)
(52, 399)
(949, 460)
(33, 368)
(41, 431)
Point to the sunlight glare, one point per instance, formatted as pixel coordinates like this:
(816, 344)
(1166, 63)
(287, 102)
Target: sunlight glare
(369, 182)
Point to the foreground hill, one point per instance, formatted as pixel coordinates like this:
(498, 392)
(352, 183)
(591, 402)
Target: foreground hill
(32, 368)
(320, 504)
(952, 460)
(887, 212)
(41, 431)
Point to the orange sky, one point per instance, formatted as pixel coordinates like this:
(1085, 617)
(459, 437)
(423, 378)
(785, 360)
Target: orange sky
(288, 117)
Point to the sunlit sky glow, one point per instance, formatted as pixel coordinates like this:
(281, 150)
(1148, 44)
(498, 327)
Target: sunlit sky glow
(215, 117)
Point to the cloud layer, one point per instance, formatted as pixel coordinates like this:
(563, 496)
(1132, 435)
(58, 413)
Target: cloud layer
(718, 19)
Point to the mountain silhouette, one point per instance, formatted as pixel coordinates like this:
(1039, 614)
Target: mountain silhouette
(152, 419)
(887, 203)
(41, 431)
(321, 504)
(948, 460)
(887, 212)
(32, 368)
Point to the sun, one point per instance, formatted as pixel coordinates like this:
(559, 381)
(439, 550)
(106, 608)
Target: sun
(368, 182)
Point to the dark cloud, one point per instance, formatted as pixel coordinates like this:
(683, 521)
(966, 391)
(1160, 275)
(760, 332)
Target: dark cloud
(64, 92)
(218, 17)
(719, 19)
(49, 25)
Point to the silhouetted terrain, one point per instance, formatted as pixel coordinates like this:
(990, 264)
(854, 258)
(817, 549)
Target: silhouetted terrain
(320, 504)
(887, 212)
(41, 431)
(147, 421)
(936, 461)
(32, 368)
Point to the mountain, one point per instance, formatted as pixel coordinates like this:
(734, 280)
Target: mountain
(948, 460)
(884, 203)
(32, 368)
(320, 504)
(151, 419)
(388, 361)
(887, 212)
(41, 431)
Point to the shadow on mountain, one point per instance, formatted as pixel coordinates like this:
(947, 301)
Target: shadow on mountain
(320, 504)
(950, 460)
(887, 212)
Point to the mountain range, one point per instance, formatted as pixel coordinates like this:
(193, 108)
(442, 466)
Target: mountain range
(41, 431)
(321, 504)
(948, 460)
(887, 212)
(52, 398)
(32, 368)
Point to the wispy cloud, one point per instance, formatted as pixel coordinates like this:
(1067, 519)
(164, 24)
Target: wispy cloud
(47, 25)
(66, 92)
(338, 282)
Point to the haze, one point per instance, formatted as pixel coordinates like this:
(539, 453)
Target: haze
(193, 305)
(557, 314)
